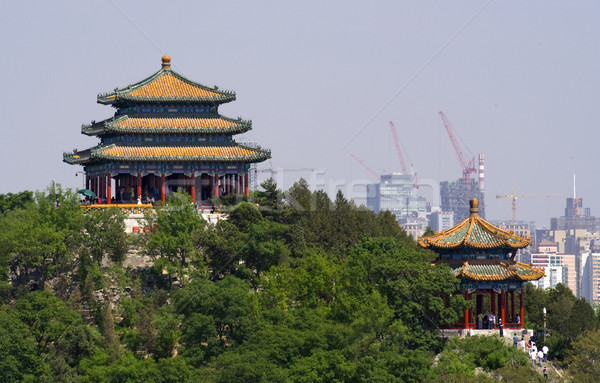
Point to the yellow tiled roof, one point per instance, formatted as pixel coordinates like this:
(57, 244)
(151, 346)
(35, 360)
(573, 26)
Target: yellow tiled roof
(191, 125)
(193, 151)
(178, 153)
(162, 123)
(168, 86)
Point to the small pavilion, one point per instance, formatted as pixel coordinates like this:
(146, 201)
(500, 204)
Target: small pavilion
(166, 135)
(482, 256)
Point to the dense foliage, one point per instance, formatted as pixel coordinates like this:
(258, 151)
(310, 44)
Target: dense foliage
(293, 287)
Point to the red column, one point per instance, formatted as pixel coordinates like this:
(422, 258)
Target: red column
(108, 188)
(246, 184)
(193, 188)
(216, 186)
(162, 187)
(101, 178)
(521, 308)
(87, 182)
(139, 185)
(502, 307)
(512, 304)
(467, 314)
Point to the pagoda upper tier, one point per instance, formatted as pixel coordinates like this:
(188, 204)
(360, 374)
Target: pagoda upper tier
(166, 86)
(167, 125)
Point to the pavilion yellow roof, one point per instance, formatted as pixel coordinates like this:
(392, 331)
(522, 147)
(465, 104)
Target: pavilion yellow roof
(494, 270)
(167, 85)
(178, 152)
(474, 232)
(222, 153)
(194, 125)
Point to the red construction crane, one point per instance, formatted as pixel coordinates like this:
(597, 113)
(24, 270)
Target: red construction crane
(467, 166)
(373, 172)
(398, 150)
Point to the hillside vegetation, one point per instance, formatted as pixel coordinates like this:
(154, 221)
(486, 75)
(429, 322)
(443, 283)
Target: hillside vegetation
(293, 287)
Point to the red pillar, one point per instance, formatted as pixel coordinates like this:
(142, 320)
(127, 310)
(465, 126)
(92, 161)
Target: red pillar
(246, 192)
(467, 314)
(502, 307)
(193, 188)
(162, 187)
(493, 303)
(108, 188)
(139, 185)
(512, 304)
(101, 178)
(216, 186)
(521, 307)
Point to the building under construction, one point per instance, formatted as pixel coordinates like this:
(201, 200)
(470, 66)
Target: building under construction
(455, 196)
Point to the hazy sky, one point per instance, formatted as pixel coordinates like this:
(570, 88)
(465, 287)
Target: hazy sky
(320, 80)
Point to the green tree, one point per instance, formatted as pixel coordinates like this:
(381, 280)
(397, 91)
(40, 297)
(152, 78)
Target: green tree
(174, 227)
(584, 358)
(16, 201)
(106, 235)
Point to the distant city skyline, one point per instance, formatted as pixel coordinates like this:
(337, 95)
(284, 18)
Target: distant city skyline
(322, 80)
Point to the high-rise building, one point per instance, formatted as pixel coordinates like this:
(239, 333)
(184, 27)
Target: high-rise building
(559, 268)
(396, 193)
(441, 220)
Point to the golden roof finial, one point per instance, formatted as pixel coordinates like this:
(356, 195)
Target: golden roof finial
(474, 207)
(166, 63)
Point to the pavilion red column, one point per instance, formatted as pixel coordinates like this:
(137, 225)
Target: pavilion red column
(502, 307)
(467, 313)
(139, 184)
(216, 186)
(512, 304)
(246, 184)
(162, 187)
(521, 307)
(193, 188)
(87, 182)
(101, 179)
(493, 303)
(108, 188)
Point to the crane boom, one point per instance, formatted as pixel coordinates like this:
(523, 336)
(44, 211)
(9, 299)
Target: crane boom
(467, 166)
(373, 172)
(398, 149)
(514, 198)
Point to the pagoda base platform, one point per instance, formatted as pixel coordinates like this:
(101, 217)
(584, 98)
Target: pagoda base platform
(463, 333)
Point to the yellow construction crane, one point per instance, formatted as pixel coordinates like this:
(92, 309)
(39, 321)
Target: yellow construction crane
(514, 197)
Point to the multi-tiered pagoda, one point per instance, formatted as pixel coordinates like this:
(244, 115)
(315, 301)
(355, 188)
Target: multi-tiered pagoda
(482, 256)
(166, 135)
